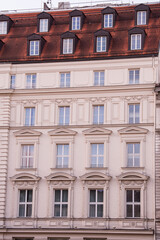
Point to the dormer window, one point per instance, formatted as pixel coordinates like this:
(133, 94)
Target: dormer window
(76, 20)
(108, 17)
(142, 14)
(35, 44)
(3, 27)
(136, 38)
(76, 23)
(68, 43)
(108, 20)
(44, 22)
(102, 41)
(5, 24)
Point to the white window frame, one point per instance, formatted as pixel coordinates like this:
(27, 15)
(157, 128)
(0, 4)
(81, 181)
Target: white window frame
(30, 116)
(136, 41)
(63, 156)
(141, 19)
(25, 203)
(101, 43)
(108, 20)
(68, 46)
(134, 113)
(134, 71)
(29, 159)
(99, 79)
(64, 116)
(96, 203)
(133, 203)
(3, 27)
(98, 115)
(60, 203)
(66, 76)
(97, 155)
(43, 25)
(12, 81)
(75, 25)
(31, 80)
(133, 155)
(34, 48)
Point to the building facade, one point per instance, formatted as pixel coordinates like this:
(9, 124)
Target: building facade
(77, 123)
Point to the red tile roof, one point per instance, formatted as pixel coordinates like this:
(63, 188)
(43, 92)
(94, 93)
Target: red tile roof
(15, 42)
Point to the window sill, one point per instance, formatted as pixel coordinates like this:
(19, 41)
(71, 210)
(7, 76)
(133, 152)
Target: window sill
(132, 168)
(26, 169)
(58, 169)
(96, 168)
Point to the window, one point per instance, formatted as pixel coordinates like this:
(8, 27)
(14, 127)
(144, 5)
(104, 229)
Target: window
(96, 203)
(25, 203)
(43, 25)
(64, 115)
(135, 41)
(65, 80)
(62, 155)
(67, 46)
(27, 156)
(61, 203)
(108, 20)
(12, 83)
(76, 23)
(99, 78)
(141, 17)
(133, 154)
(30, 116)
(101, 44)
(34, 48)
(97, 154)
(31, 81)
(3, 27)
(134, 76)
(134, 113)
(133, 203)
(98, 114)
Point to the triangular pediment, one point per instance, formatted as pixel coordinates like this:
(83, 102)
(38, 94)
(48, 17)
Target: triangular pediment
(24, 177)
(95, 176)
(60, 176)
(133, 130)
(62, 132)
(132, 176)
(27, 133)
(97, 131)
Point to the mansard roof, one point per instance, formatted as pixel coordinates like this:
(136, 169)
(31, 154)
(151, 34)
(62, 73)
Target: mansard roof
(25, 24)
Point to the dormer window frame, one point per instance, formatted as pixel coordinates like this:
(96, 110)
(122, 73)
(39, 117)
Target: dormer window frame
(142, 8)
(137, 32)
(34, 38)
(8, 20)
(76, 13)
(67, 36)
(97, 35)
(109, 11)
(44, 16)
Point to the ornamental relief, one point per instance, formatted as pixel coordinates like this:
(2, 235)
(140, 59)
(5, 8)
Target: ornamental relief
(60, 183)
(133, 183)
(26, 184)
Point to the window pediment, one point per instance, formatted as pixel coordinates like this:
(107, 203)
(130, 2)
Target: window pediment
(62, 132)
(25, 177)
(133, 130)
(95, 176)
(60, 178)
(27, 133)
(132, 176)
(137, 30)
(97, 131)
(142, 7)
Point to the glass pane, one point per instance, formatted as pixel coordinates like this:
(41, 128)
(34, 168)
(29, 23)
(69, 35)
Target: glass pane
(101, 149)
(137, 211)
(136, 162)
(129, 211)
(94, 161)
(61, 115)
(94, 149)
(101, 78)
(137, 148)
(57, 195)
(64, 210)
(96, 78)
(27, 116)
(92, 195)
(136, 76)
(59, 149)
(100, 161)
(100, 195)
(22, 195)
(129, 196)
(131, 76)
(67, 113)
(101, 114)
(100, 211)
(130, 147)
(66, 149)
(92, 210)
(29, 210)
(57, 210)
(32, 116)
(95, 114)
(29, 195)
(59, 162)
(65, 196)
(65, 161)
(21, 210)
(136, 195)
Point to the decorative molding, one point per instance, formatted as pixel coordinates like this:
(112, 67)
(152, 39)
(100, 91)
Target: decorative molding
(133, 130)
(95, 179)
(97, 131)
(60, 178)
(62, 132)
(27, 133)
(22, 178)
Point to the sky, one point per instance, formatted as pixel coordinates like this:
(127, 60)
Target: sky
(37, 4)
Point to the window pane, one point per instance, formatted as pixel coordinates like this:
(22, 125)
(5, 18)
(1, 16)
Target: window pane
(136, 195)
(65, 196)
(29, 210)
(64, 210)
(100, 210)
(92, 210)
(57, 210)
(129, 196)
(29, 195)
(92, 195)
(22, 195)
(129, 211)
(137, 211)
(21, 210)
(57, 195)
(100, 195)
